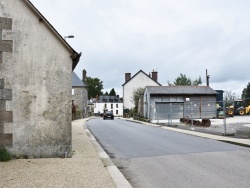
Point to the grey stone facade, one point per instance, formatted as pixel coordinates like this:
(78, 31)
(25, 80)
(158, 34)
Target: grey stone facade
(80, 96)
(35, 83)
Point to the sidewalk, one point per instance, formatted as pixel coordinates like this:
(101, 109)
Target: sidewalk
(84, 169)
(181, 129)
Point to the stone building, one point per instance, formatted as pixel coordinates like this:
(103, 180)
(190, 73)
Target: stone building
(80, 95)
(35, 83)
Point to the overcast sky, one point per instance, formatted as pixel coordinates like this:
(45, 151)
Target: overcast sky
(169, 36)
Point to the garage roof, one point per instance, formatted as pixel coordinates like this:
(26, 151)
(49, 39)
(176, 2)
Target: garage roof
(181, 90)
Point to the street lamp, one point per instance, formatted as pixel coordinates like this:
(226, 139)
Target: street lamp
(70, 36)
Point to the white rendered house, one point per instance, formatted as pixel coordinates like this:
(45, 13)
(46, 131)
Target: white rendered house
(109, 103)
(139, 80)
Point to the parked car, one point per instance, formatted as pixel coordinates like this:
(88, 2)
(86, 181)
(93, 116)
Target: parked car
(108, 114)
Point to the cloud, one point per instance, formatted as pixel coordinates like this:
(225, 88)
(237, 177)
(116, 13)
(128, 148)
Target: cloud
(170, 36)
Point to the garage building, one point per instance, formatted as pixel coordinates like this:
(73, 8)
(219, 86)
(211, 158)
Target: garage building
(163, 102)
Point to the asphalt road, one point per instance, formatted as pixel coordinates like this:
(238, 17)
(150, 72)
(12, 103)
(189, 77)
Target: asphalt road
(154, 157)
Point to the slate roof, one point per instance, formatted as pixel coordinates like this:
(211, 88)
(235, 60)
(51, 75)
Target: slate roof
(76, 81)
(143, 73)
(108, 99)
(190, 90)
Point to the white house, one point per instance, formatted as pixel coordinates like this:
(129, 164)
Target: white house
(139, 80)
(108, 103)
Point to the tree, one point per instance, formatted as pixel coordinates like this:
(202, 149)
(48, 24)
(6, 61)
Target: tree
(106, 93)
(94, 87)
(112, 92)
(197, 81)
(136, 96)
(183, 80)
(246, 92)
(229, 96)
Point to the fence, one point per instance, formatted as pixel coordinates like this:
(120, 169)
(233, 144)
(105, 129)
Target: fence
(206, 116)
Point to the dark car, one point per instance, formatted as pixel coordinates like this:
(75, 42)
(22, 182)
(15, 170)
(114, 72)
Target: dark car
(108, 114)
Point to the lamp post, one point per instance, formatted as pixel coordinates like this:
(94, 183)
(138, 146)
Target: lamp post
(69, 36)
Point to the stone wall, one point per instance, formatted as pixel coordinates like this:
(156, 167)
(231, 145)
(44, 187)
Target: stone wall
(81, 100)
(6, 116)
(35, 93)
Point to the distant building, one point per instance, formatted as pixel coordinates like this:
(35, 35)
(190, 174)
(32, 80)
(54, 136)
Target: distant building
(35, 83)
(139, 80)
(108, 103)
(80, 96)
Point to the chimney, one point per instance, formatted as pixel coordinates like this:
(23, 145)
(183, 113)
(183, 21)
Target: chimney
(154, 76)
(84, 74)
(127, 77)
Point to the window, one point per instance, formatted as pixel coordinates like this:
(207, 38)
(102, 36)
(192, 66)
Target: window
(111, 106)
(116, 112)
(116, 105)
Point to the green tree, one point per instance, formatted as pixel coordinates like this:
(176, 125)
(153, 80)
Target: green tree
(112, 92)
(106, 93)
(246, 92)
(136, 96)
(94, 87)
(183, 80)
(197, 82)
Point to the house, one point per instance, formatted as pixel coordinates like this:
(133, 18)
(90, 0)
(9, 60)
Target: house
(162, 102)
(108, 103)
(80, 95)
(139, 80)
(36, 64)
(90, 108)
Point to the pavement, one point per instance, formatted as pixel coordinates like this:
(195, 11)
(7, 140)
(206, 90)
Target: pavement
(89, 166)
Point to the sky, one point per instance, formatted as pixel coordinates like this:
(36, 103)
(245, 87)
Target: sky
(167, 36)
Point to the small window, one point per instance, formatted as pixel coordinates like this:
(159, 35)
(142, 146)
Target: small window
(111, 100)
(111, 106)
(116, 105)
(116, 100)
(116, 112)
(104, 100)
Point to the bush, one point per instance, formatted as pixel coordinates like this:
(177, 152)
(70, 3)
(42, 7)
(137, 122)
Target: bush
(4, 155)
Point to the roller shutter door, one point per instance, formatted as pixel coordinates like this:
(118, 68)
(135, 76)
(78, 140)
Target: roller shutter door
(163, 110)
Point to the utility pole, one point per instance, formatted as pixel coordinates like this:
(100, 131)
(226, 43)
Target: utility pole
(207, 78)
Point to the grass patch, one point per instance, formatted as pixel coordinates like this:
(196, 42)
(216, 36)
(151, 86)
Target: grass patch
(4, 155)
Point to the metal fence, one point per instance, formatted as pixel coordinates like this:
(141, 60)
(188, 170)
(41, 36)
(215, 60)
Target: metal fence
(206, 116)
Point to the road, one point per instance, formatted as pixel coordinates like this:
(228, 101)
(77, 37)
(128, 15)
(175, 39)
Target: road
(155, 157)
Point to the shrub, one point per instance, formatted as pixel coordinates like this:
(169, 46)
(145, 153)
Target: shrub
(4, 155)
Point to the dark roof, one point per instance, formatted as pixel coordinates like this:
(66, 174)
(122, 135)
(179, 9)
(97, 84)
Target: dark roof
(108, 99)
(143, 73)
(181, 90)
(90, 102)
(76, 81)
(74, 55)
